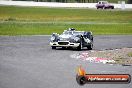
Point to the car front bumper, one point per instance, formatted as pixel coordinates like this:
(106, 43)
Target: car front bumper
(64, 44)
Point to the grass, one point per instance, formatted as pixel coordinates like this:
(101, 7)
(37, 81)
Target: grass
(116, 1)
(39, 20)
(48, 28)
(130, 54)
(62, 14)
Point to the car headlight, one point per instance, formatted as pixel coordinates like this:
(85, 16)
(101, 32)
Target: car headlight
(52, 38)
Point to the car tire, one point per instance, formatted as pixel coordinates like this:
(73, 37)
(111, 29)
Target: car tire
(112, 7)
(53, 47)
(105, 8)
(79, 48)
(90, 47)
(81, 80)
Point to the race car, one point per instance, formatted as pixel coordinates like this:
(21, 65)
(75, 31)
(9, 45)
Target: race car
(72, 38)
(104, 5)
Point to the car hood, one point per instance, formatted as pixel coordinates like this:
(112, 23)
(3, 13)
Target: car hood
(65, 36)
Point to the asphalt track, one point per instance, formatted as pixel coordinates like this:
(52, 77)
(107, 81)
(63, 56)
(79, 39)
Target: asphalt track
(29, 62)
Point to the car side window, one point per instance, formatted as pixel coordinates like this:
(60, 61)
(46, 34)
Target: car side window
(99, 2)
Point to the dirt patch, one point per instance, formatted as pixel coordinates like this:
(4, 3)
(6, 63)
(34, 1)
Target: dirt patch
(121, 56)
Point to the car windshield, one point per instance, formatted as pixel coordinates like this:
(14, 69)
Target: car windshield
(105, 2)
(68, 32)
(71, 32)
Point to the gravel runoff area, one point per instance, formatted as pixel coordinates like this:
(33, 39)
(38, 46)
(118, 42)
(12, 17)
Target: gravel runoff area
(122, 56)
(54, 4)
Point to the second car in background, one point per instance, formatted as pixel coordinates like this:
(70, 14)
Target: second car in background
(104, 5)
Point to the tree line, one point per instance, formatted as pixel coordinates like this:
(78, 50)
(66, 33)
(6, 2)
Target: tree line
(74, 1)
(63, 1)
(66, 1)
(130, 1)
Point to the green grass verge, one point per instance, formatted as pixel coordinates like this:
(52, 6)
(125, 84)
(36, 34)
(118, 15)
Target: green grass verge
(12, 13)
(19, 20)
(116, 1)
(48, 28)
(130, 54)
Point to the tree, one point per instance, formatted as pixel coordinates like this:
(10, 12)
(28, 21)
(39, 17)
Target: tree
(129, 1)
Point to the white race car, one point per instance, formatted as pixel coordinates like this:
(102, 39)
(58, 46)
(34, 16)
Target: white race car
(72, 38)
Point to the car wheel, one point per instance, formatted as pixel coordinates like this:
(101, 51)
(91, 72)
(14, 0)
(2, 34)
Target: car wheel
(105, 7)
(53, 47)
(81, 80)
(80, 46)
(90, 47)
(112, 7)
